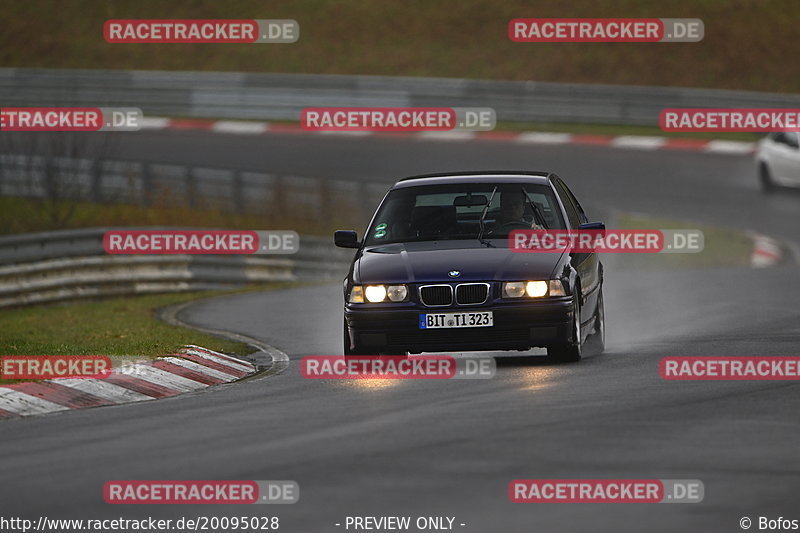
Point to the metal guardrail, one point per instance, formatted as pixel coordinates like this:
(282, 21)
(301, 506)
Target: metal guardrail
(241, 95)
(231, 190)
(72, 264)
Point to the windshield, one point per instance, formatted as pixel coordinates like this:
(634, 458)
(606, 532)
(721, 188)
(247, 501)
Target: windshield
(457, 211)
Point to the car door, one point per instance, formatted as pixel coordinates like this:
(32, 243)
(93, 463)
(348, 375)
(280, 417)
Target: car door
(586, 264)
(784, 157)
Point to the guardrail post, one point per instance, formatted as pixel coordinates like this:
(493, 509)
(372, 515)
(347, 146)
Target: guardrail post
(280, 197)
(191, 187)
(326, 204)
(97, 181)
(147, 184)
(237, 194)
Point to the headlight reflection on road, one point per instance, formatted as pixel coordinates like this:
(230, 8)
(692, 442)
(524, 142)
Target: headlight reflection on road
(377, 383)
(535, 378)
(370, 384)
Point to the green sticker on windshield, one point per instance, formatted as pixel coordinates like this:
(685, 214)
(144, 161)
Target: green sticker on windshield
(380, 230)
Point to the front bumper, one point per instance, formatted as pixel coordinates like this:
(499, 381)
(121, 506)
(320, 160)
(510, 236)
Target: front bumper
(517, 326)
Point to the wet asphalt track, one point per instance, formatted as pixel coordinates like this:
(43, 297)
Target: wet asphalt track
(450, 448)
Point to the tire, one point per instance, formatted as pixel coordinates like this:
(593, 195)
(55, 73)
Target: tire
(765, 179)
(569, 351)
(348, 352)
(596, 342)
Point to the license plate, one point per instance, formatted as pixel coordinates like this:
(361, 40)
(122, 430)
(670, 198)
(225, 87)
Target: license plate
(480, 319)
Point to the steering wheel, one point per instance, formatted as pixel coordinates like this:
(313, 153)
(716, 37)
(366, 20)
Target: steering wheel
(510, 226)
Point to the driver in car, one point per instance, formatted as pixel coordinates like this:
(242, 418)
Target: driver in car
(512, 213)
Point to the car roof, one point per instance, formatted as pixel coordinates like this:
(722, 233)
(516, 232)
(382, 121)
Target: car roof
(498, 176)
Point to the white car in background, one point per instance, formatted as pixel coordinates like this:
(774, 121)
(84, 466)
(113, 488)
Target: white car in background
(778, 160)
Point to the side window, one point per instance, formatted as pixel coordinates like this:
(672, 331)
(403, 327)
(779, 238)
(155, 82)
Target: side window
(577, 204)
(787, 138)
(573, 213)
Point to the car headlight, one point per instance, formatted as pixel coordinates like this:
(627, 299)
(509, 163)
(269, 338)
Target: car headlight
(533, 289)
(378, 293)
(513, 289)
(536, 289)
(375, 293)
(397, 293)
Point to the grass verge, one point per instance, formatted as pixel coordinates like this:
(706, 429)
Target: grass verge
(113, 327)
(25, 215)
(723, 247)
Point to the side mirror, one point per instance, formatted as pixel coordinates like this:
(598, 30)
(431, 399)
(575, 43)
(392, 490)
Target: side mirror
(593, 225)
(346, 239)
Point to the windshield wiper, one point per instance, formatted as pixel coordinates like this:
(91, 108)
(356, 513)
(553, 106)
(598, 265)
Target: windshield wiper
(537, 213)
(482, 223)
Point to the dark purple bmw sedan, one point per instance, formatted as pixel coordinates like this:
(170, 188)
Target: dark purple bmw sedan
(435, 272)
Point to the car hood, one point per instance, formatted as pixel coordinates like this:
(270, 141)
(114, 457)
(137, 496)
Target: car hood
(433, 261)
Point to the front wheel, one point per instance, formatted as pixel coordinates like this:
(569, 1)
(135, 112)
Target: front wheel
(569, 351)
(765, 178)
(596, 342)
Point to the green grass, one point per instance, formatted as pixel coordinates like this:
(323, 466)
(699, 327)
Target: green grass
(113, 327)
(748, 44)
(118, 326)
(723, 247)
(24, 215)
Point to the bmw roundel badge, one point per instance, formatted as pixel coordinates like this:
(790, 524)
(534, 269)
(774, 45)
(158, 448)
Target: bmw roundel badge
(454, 273)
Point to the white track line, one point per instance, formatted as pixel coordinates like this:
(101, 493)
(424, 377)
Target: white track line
(103, 389)
(243, 367)
(240, 127)
(154, 123)
(345, 133)
(730, 147)
(197, 367)
(25, 404)
(537, 137)
(161, 377)
(446, 135)
(638, 142)
(219, 357)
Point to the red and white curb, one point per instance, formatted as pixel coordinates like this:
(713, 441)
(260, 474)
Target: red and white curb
(191, 368)
(630, 142)
(766, 251)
